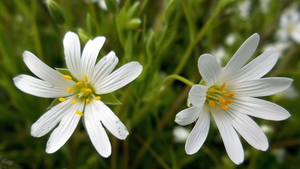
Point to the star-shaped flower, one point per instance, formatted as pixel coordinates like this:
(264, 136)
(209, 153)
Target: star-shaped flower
(227, 94)
(79, 92)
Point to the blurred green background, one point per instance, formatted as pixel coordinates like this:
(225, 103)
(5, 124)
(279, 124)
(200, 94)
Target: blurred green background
(166, 37)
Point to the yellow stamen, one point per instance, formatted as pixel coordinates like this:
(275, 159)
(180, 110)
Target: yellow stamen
(68, 77)
(231, 94)
(97, 98)
(222, 100)
(213, 90)
(87, 101)
(85, 78)
(224, 106)
(211, 104)
(69, 90)
(229, 101)
(61, 99)
(223, 91)
(88, 90)
(79, 113)
(79, 83)
(73, 101)
(222, 86)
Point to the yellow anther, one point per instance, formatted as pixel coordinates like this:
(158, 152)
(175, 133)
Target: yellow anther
(223, 91)
(223, 106)
(222, 86)
(88, 90)
(231, 94)
(97, 98)
(229, 101)
(79, 113)
(68, 77)
(222, 100)
(87, 101)
(69, 90)
(61, 99)
(211, 104)
(85, 78)
(73, 101)
(79, 83)
(213, 90)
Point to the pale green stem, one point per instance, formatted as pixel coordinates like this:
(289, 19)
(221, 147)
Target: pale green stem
(180, 78)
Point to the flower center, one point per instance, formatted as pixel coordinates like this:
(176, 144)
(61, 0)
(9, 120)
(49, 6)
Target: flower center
(217, 95)
(84, 91)
(291, 27)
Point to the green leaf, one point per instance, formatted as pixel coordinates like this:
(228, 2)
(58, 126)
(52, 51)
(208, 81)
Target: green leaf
(112, 6)
(110, 99)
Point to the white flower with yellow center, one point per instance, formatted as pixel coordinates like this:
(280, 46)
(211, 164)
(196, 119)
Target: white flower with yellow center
(79, 92)
(226, 94)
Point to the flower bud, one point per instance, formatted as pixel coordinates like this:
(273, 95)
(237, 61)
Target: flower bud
(56, 12)
(83, 36)
(133, 24)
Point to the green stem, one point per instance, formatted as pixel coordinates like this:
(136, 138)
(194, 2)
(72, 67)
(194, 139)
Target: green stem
(160, 90)
(180, 78)
(192, 44)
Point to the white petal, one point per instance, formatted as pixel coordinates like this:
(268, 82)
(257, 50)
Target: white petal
(41, 70)
(257, 68)
(110, 120)
(209, 68)
(89, 56)
(65, 129)
(96, 131)
(199, 133)
(197, 95)
(242, 55)
(119, 78)
(260, 108)
(72, 54)
(39, 87)
(104, 67)
(230, 138)
(187, 116)
(260, 87)
(50, 119)
(249, 130)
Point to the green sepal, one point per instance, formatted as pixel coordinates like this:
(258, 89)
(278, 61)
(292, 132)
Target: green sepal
(110, 99)
(54, 103)
(65, 71)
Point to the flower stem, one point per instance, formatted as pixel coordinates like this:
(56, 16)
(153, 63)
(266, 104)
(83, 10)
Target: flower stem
(180, 78)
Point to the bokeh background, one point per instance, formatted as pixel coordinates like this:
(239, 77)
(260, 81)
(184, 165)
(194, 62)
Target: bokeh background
(166, 37)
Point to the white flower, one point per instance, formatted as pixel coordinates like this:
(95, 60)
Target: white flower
(244, 9)
(226, 94)
(79, 93)
(280, 46)
(264, 5)
(102, 3)
(180, 134)
(289, 25)
(230, 39)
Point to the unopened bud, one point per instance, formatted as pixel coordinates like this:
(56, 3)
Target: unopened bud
(56, 12)
(133, 24)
